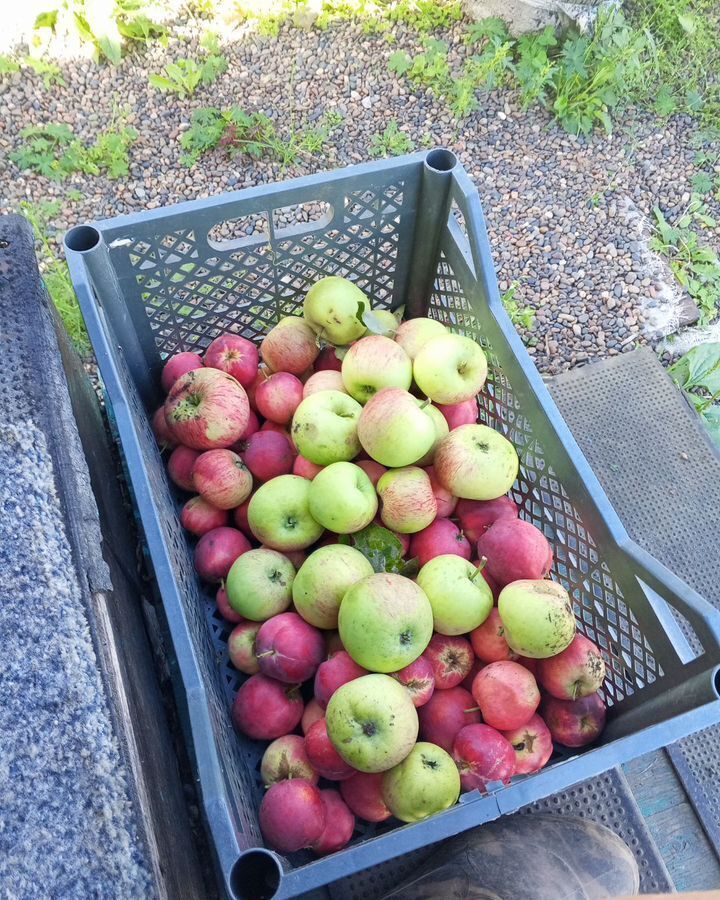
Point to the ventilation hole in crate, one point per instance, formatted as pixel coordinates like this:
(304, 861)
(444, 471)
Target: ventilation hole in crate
(301, 218)
(242, 231)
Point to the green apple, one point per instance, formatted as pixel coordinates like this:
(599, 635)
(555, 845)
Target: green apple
(460, 597)
(279, 514)
(333, 308)
(408, 500)
(342, 498)
(413, 334)
(441, 429)
(386, 320)
(322, 581)
(450, 368)
(537, 617)
(385, 622)
(372, 723)
(426, 782)
(476, 463)
(393, 429)
(373, 363)
(324, 427)
(259, 584)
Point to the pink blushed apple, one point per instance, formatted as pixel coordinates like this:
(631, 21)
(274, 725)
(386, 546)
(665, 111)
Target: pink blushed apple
(326, 380)
(515, 551)
(451, 658)
(290, 346)
(445, 714)
(339, 824)
(224, 608)
(419, 679)
(252, 426)
(180, 467)
(207, 409)
(323, 756)
(439, 538)
(457, 414)
(488, 640)
(235, 355)
(483, 756)
(313, 711)
(278, 397)
(285, 758)
(199, 517)
(446, 503)
(507, 694)
(292, 815)
(217, 550)
(533, 746)
(476, 516)
(305, 469)
(222, 478)
(407, 502)
(373, 363)
(575, 723)
(334, 672)
(177, 366)
(268, 454)
(288, 648)
(265, 709)
(241, 647)
(164, 437)
(575, 672)
(476, 462)
(413, 334)
(372, 469)
(363, 795)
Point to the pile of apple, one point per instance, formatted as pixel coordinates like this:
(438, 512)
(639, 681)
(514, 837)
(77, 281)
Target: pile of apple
(386, 598)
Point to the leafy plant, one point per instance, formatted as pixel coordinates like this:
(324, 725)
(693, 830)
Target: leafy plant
(696, 267)
(698, 374)
(425, 15)
(185, 76)
(8, 65)
(392, 142)
(519, 315)
(55, 272)
(54, 151)
(48, 71)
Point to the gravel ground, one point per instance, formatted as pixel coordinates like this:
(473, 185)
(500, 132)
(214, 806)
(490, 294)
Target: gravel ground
(567, 217)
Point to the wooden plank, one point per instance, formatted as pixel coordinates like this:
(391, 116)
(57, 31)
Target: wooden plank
(672, 822)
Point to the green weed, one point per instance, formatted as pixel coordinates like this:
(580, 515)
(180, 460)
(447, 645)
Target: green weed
(698, 374)
(49, 72)
(519, 315)
(55, 272)
(695, 265)
(54, 151)
(186, 75)
(392, 142)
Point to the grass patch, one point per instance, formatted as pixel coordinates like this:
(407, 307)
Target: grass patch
(392, 142)
(253, 134)
(54, 151)
(55, 272)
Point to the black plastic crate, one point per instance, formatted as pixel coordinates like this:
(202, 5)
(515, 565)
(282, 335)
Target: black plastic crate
(409, 231)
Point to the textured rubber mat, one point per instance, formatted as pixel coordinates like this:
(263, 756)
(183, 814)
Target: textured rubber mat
(661, 472)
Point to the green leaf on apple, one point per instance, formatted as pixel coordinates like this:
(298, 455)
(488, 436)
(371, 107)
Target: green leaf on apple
(375, 325)
(381, 548)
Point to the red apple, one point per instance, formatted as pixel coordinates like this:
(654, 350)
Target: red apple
(313, 712)
(261, 375)
(489, 580)
(252, 426)
(334, 672)
(180, 467)
(222, 478)
(241, 520)
(290, 346)
(372, 469)
(533, 746)
(235, 355)
(326, 380)
(339, 824)
(163, 436)
(296, 557)
(451, 659)
(467, 681)
(440, 537)
(456, 414)
(515, 550)
(575, 672)
(292, 815)
(488, 642)
(419, 679)
(224, 608)
(177, 366)
(278, 397)
(446, 503)
(305, 469)
(288, 648)
(327, 360)
(217, 550)
(323, 757)
(483, 756)
(268, 454)
(286, 758)
(333, 643)
(507, 694)
(206, 409)
(476, 516)
(265, 709)
(241, 647)
(445, 714)
(532, 665)
(199, 516)
(280, 429)
(363, 794)
(575, 723)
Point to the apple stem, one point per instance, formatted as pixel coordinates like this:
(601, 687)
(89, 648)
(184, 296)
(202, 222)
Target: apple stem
(426, 402)
(266, 653)
(478, 574)
(472, 709)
